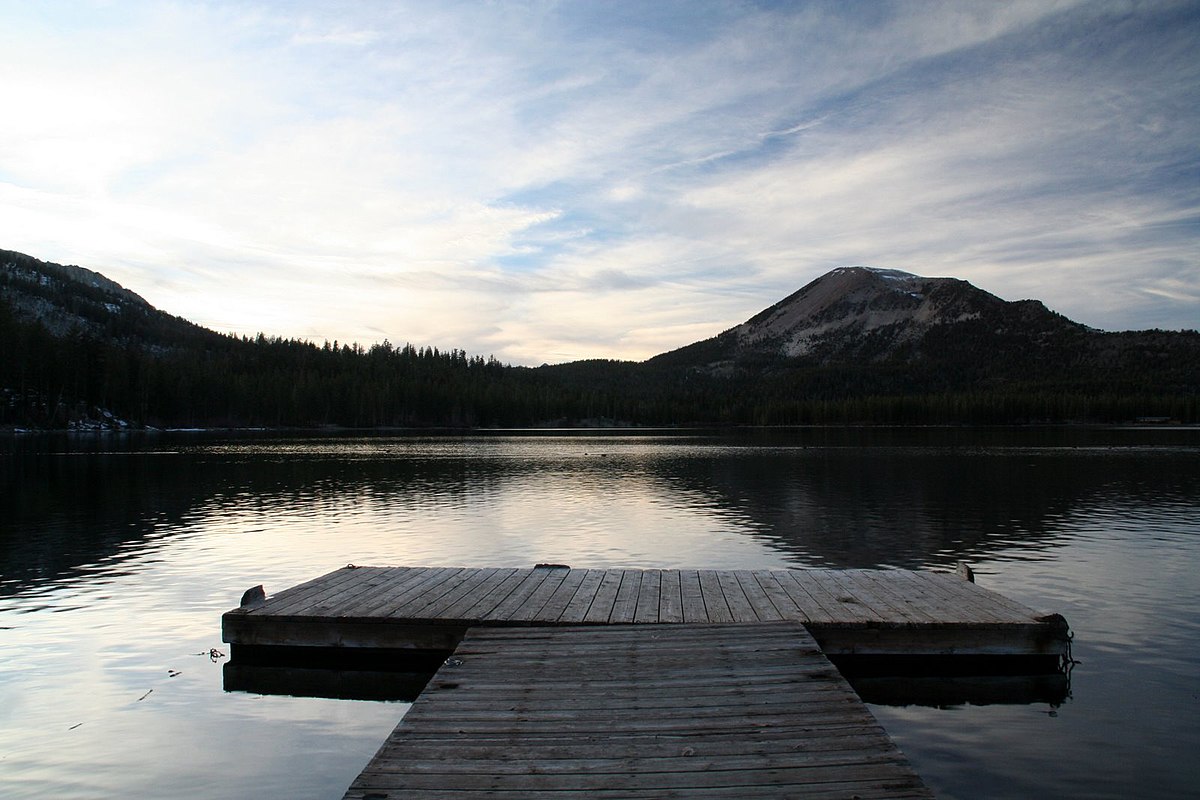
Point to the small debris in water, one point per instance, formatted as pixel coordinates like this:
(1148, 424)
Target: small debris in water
(73, 727)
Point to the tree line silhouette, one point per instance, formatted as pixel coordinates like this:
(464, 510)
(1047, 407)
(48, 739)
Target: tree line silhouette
(211, 380)
(91, 349)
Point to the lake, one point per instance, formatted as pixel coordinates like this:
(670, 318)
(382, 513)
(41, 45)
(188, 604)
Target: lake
(119, 553)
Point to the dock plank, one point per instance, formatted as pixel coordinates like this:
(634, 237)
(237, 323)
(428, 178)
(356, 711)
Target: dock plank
(410, 603)
(388, 583)
(648, 597)
(469, 584)
(813, 609)
(784, 604)
(301, 590)
(740, 607)
(764, 609)
(577, 610)
(821, 585)
(342, 594)
(692, 597)
(313, 593)
(964, 588)
(625, 604)
(714, 597)
(557, 605)
(524, 590)
(538, 598)
(493, 597)
(864, 596)
(952, 595)
(606, 595)
(462, 607)
(884, 589)
(384, 597)
(670, 597)
(803, 738)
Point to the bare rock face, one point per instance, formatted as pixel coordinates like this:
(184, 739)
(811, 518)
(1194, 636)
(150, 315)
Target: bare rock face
(851, 301)
(844, 308)
(64, 299)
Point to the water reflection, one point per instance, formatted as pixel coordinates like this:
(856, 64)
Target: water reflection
(921, 507)
(119, 554)
(80, 507)
(381, 674)
(948, 691)
(336, 684)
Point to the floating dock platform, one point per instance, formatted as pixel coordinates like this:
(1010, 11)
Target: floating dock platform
(632, 683)
(848, 612)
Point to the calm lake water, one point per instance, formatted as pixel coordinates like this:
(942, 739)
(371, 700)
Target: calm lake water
(118, 555)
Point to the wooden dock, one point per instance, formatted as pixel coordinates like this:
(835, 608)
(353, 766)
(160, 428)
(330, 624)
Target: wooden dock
(632, 683)
(858, 612)
(649, 711)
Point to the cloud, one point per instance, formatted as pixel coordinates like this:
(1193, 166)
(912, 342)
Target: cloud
(554, 181)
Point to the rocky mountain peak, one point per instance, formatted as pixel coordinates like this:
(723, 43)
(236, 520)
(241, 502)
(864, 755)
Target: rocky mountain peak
(860, 315)
(67, 299)
(862, 301)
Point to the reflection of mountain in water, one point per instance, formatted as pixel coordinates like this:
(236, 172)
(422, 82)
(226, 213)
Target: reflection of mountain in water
(74, 504)
(913, 508)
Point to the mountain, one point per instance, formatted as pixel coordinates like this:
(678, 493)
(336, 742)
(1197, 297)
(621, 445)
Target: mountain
(877, 314)
(858, 344)
(71, 300)
(937, 334)
(82, 352)
(867, 315)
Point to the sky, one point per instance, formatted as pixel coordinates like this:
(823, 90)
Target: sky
(552, 181)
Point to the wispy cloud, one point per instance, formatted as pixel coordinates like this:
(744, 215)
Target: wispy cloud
(548, 182)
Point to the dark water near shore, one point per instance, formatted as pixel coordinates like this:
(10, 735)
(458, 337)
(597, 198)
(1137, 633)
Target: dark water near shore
(119, 554)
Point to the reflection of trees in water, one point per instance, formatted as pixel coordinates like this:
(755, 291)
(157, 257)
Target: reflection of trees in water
(851, 507)
(68, 510)
(830, 504)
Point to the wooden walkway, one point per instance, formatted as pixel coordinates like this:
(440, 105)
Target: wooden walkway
(887, 612)
(638, 683)
(625, 711)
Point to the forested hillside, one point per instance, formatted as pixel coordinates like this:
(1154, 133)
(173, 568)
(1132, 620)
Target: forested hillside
(82, 351)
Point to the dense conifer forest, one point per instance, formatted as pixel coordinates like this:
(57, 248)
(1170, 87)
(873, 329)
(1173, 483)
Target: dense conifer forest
(53, 381)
